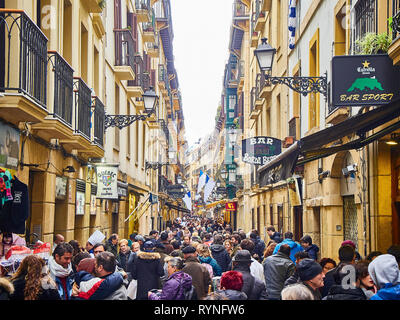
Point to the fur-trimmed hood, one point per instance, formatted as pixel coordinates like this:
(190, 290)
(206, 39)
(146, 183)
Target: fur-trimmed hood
(148, 255)
(6, 286)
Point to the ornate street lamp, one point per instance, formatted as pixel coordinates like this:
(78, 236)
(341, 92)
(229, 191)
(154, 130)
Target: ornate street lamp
(265, 57)
(150, 100)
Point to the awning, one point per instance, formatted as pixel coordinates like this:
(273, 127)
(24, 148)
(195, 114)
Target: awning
(214, 204)
(172, 206)
(310, 148)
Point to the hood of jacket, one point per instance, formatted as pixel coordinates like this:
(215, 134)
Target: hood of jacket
(384, 270)
(338, 292)
(183, 278)
(205, 259)
(6, 285)
(292, 244)
(150, 256)
(217, 247)
(233, 294)
(313, 247)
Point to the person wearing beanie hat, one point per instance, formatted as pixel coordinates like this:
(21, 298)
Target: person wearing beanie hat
(311, 275)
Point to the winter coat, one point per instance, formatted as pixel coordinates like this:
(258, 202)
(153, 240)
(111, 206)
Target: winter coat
(6, 289)
(312, 251)
(110, 287)
(69, 283)
(294, 278)
(294, 248)
(277, 269)
(259, 247)
(233, 294)
(338, 292)
(124, 260)
(200, 276)
(113, 248)
(221, 256)
(147, 270)
(276, 237)
(389, 292)
(217, 271)
(48, 290)
(174, 287)
(252, 287)
(14, 213)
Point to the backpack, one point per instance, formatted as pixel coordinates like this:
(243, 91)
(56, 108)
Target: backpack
(190, 294)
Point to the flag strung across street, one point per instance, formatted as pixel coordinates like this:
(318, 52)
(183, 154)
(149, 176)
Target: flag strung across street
(210, 184)
(187, 199)
(202, 181)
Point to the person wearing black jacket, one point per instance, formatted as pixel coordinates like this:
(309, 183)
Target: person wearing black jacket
(125, 257)
(252, 287)
(219, 253)
(275, 236)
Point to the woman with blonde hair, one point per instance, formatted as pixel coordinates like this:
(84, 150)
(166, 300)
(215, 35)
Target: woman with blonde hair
(228, 246)
(204, 255)
(33, 282)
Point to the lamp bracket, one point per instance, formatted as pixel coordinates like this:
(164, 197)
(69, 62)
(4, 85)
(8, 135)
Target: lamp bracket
(122, 121)
(155, 165)
(303, 85)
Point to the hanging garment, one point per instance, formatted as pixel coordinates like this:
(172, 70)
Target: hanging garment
(14, 213)
(292, 23)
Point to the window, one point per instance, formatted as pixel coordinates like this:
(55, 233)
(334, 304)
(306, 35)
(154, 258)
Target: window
(364, 20)
(314, 72)
(84, 53)
(67, 31)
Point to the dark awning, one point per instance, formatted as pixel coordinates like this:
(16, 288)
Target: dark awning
(310, 148)
(172, 206)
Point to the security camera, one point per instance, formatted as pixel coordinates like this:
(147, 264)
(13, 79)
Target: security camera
(323, 175)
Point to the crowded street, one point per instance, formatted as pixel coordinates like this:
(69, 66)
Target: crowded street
(194, 158)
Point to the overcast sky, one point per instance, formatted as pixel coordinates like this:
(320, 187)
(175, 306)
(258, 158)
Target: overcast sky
(201, 40)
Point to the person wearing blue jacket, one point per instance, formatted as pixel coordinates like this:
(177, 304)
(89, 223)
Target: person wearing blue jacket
(385, 274)
(294, 246)
(309, 247)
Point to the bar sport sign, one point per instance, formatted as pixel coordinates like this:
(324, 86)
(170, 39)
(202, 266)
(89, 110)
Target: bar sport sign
(260, 150)
(364, 80)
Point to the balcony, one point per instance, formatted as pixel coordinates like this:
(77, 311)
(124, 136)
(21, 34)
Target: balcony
(93, 6)
(394, 49)
(23, 75)
(162, 78)
(153, 48)
(142, 8)
(124, 66)
(254, 112)
(294, 128)
(58, 124)
(260, 16)
(98, 120)
(149, 29)
(263, 90)
(253, 32)
(137, 87)
(98, 25)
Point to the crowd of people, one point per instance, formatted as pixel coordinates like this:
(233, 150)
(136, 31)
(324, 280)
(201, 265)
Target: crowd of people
(197, 258)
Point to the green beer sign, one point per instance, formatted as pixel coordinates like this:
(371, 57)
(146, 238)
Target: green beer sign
(364, 80)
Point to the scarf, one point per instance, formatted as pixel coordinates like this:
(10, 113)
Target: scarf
(57, 270)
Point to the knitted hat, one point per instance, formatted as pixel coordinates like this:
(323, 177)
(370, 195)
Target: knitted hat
(348, 243)
(148, 246)
(308, 269)
(139, 238)
(87, 265)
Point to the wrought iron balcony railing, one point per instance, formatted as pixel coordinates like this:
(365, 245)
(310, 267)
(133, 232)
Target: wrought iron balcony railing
(396, 18)
(142, 78)
(63, 76)
(253, 98)
(293, 123)
(142, 4)
(23, 52)
(98, 121)
(124, 48)
(83, 106)
(162, 73)
(239, 10)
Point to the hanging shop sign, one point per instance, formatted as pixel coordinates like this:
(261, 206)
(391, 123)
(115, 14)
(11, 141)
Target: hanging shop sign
(230, 206)
(364, 80)
(61, 188)
(260, 150)
(9, 147)
(107, 183)
(122, 189)
(80, 203)
(176, 191)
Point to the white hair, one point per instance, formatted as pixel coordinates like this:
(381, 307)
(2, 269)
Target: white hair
(297, 291)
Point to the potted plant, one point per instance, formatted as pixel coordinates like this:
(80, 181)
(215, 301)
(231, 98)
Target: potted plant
(373, 43)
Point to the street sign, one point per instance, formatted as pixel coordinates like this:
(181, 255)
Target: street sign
(260, 150)
(364, 80)
(230, 206)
